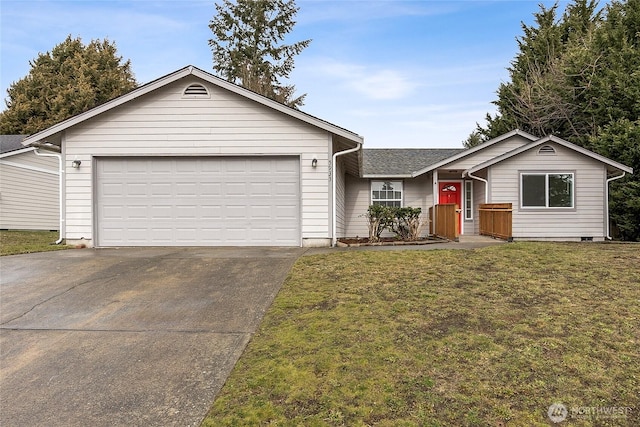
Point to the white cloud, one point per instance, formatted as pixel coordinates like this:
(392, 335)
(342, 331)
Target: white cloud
(383, 84)
(372, 82)
(356, 12)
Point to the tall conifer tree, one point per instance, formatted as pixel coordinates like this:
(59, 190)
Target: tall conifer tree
(69, 80)
(248, 50)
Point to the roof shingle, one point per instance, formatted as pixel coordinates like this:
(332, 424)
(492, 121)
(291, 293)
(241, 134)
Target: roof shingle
(403, 161)
(11, 143)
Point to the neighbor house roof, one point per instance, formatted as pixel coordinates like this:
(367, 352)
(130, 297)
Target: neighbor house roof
(402, 162)
(11, 143)
(547, 139)
(177, 75)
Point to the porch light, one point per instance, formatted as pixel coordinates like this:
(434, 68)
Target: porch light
(314, 162)
(76, 164)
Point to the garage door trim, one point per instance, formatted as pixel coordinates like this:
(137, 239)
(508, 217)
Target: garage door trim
(282, 181)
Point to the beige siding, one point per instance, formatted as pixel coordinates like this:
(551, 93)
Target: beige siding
(588, 217)
(161, 123)
(29, 197)
(340, 198)
(479, 189)
(489, 153)
(417, 194)
(357, 201)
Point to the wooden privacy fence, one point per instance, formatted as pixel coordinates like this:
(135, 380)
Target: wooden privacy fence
(495, 220)
(446, 221)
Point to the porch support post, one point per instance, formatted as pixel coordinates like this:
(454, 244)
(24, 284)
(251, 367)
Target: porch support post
(606, 204)
(436, 196)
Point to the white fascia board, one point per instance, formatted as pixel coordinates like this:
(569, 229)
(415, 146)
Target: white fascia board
(591, 154)
(142, 90)
(15, 152)
(472, 150)
(28, 167)
(549, 138)
(184, 72)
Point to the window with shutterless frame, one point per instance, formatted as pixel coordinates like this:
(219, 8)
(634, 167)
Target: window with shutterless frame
(545, 190)
(386, 193)
(468, 200)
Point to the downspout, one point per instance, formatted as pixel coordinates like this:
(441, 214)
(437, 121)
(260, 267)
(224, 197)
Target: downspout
(486, 185)
(60, 172)
(334, 220)
(606, 202)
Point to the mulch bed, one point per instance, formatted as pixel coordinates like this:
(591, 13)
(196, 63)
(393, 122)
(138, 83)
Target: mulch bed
(386, 241)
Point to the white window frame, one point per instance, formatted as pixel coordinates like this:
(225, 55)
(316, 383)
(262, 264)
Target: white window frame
(546, 190)
(468, 202)
(397, 187)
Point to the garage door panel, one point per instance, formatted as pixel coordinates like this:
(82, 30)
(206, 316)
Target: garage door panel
(198, 201)
(289, 212)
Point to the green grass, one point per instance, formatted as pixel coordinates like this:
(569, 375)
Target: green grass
(24, 242)
(489, 337)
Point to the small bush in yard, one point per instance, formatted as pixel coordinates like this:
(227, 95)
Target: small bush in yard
(406, 222)
(379, 218)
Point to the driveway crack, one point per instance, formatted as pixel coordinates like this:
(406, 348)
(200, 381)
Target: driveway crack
(53, 297)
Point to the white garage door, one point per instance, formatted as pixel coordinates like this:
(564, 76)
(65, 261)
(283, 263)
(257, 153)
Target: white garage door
(204, 201)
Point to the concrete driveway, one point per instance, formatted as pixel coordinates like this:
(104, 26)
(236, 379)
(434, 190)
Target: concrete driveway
(128, 337)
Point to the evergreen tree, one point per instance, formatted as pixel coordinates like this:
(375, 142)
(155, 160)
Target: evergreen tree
(69, 80)
(247, 48)
(578, 77)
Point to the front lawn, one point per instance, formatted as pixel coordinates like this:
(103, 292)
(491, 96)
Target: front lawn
(489, 337)
(24, 242)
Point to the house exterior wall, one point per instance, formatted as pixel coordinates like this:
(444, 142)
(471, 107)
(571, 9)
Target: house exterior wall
(340, 198)
(357, 200)
(416, 194)
(163, 123)
(586, 219)
(488, 153)
(479, 190)
(29, 192)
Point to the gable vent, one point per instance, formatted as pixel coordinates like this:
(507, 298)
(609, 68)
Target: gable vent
(547, 149)
(197, 91)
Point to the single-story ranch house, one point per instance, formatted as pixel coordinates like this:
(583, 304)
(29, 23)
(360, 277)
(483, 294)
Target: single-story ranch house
(192, 160)
(29, 187)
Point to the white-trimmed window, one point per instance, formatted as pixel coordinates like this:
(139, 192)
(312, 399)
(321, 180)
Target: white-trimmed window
(547, 190)
(386, 193)
(468, 200)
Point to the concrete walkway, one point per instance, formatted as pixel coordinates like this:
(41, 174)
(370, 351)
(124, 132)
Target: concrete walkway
(466, 242)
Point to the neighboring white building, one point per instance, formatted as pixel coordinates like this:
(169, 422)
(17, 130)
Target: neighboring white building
(193, 160)
(28, 187)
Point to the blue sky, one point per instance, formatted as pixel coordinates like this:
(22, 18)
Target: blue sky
(402, 74)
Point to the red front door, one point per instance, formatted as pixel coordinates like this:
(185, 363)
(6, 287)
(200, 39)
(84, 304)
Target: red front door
(451, 192)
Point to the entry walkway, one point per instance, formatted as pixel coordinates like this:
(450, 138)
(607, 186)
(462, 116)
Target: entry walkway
(465, 242)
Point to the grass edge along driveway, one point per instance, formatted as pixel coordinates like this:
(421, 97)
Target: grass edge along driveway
(26, 242)
(488, 337)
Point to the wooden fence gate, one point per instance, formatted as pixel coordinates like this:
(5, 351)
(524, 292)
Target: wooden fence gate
(446, 221)
(495, 220)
